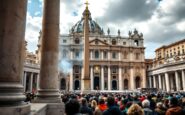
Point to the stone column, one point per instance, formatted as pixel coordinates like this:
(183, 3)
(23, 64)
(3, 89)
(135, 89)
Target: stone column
(31, 82)
(109, 55)
(12, 34)
(163, 82)
(109, 78)
(144, 77)
(150, 81)
(49, 81)
(71, 54)
(132, 82)
(120, 79)
(167, 82)
(25, 77)
(154, 81)
(37, 81)
(177, 81)
(71, 80)
(102, 54)
(92, 88)
(183, 80)
(102, 78)
(159, 80)
(120, 56)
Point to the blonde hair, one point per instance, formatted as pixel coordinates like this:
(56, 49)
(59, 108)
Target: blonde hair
(135, 109)
(94, 104)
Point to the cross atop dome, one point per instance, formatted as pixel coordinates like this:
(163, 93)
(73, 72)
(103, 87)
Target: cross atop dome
(86, 11)
(86, 3)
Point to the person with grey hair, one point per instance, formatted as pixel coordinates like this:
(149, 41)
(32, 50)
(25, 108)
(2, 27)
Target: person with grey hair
(146, 107)
(160, 109)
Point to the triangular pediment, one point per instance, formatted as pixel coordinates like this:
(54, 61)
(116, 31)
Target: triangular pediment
(98, 42)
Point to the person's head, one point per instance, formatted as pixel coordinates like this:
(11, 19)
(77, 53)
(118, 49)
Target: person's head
(110, 101)
(135, 109)
(159, 105)
(146, 103)
(93, 103)
(72, 107)
(84, 101)
(173, 101)
(101, 101)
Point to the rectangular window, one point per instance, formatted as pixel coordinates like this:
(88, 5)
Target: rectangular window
(64, 41)
(114, 70)
(77, 54)
(137, 56)
(125, 70)
(76, 70)
(114, 55)
(125, 55)
(105, 54)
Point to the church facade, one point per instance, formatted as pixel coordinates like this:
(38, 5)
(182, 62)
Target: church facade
(115, 62)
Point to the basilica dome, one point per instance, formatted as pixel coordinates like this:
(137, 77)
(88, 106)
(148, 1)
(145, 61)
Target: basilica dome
(93, 26)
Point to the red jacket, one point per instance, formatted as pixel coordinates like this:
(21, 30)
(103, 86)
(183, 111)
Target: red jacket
(174, 111)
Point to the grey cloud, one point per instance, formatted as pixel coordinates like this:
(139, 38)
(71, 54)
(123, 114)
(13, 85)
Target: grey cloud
(176, 14)
(164, 35)
(136, 10)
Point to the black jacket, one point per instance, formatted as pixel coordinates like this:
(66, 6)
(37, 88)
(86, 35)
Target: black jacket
(113, 110)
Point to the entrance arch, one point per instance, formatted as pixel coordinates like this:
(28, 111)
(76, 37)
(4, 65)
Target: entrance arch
(96, 83)
(77, 85)
(138, 82)
(114, 85)
(126, 84)
(63, 84)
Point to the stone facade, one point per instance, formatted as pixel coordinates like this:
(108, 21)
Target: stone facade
(166, 71)
(115, 62)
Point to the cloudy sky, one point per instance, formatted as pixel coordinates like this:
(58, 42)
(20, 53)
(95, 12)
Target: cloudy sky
(161, 21)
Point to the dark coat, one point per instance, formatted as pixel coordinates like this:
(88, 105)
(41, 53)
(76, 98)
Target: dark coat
(113, 110)
(86, 110)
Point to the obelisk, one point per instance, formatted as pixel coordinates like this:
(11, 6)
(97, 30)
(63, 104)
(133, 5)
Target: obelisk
(86, 78)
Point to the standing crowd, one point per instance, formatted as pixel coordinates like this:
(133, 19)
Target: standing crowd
(124, 104)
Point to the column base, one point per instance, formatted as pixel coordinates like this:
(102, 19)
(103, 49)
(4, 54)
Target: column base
(48, 96)
(11, 94)
(16, 110)
(55, 109)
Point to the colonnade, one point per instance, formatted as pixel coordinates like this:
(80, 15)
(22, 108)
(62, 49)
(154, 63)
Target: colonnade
(105, 79)
(168, 81)
(30, 82)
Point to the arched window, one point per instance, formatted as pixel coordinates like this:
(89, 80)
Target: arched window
(77, 41)
(137, 82)
(96, 83)
(136, 43)
(114, 85)
(96, 54)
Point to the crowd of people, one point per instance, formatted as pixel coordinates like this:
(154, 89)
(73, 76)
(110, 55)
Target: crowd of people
(124, 104)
